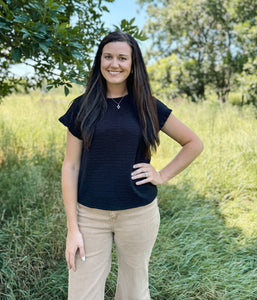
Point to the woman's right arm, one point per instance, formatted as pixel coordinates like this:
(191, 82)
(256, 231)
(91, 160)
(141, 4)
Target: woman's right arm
(70, 173)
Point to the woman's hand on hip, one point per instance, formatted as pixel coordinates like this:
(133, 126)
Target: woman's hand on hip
(147, 173)
(74, 242)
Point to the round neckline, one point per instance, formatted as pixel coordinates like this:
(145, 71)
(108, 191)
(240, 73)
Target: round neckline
(109, 98)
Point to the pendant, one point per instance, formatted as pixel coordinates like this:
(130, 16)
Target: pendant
(118, 106)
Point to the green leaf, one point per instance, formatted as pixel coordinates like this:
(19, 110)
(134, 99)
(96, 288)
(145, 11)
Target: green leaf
(4, 26)
(123, 23)
(52, 6)
(66, 91)
(26, 51)
(41, 27)
(131, 21)
(16, 54)
(26, 33)
(76, 54)
(37, 7)
(62, 67)
(20, 19)
(43, 47)
(77, 45)
(53, 16)
(61, 8)
(104, 8)
(61, 27)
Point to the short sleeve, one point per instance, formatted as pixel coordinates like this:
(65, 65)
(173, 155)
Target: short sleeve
(163, 112)
(69, 118)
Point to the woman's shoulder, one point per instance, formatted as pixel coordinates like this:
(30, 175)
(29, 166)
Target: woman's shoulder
(74, 106)
(163, 112)
(162, 106)
(77, 101)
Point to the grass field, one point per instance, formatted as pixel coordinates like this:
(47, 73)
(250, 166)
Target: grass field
(207, 246)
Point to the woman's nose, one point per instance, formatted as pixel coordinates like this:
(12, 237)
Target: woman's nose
(115, 63)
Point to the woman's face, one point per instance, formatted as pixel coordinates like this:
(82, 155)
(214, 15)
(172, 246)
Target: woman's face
(116, 61)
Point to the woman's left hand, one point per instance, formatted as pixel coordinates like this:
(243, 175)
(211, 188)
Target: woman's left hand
(147, 173)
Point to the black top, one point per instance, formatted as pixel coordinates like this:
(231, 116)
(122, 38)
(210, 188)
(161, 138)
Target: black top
(105, 170)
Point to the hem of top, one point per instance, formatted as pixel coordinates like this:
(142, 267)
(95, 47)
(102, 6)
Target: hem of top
(119, 209)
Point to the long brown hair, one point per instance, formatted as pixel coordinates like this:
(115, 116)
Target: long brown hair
(94, 99)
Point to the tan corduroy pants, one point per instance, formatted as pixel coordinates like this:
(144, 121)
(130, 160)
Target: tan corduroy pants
(134, 232)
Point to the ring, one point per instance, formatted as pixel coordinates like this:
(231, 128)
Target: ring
(146, 174)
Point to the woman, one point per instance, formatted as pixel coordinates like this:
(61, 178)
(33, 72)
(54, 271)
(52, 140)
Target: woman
(109, 186)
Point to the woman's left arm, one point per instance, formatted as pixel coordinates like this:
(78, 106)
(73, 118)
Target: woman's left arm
(191, 144)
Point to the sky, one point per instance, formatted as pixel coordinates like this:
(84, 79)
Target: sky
(118, 10)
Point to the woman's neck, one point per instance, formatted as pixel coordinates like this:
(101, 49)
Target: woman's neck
(116, 91)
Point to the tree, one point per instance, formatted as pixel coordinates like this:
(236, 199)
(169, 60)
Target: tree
(246, 32)
(247, 83)
(169, 77)
(202, 35)
(55, 37)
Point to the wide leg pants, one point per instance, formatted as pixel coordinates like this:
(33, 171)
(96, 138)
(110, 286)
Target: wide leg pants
(134, 232)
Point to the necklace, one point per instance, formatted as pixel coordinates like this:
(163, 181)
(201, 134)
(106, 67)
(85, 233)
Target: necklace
(118, 103)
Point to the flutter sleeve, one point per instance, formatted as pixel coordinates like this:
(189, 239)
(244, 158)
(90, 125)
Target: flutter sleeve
(69, 118)
(163, 112)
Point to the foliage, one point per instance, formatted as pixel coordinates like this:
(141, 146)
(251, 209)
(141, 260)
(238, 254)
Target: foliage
(129, 27)
(247, 38)
(206, 248)
(212, 39)
(170, 77)
(247, 82)
(57, 38)
(164, 75)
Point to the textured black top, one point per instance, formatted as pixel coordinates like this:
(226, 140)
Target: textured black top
(105, 170)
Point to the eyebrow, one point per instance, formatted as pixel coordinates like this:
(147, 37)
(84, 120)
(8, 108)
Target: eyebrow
(121, 54)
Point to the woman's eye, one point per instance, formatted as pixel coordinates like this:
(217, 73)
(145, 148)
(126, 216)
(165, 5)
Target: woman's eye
(123, 58)
(107, 57)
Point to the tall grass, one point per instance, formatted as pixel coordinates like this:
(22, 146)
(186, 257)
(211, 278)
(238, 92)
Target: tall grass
(32, 219)
(206, 248)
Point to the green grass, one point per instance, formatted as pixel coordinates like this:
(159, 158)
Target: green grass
(206, 247)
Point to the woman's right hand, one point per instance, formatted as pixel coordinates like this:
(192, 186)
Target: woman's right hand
(74, 242)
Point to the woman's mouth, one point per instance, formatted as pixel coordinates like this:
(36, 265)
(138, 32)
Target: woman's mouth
(114, 73)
